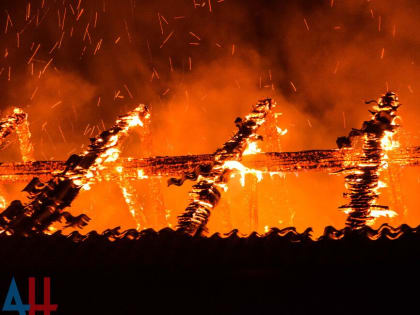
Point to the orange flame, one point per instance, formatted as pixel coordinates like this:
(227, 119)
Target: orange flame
(111, 151)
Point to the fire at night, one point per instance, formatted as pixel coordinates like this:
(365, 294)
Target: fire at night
(102, 162)
(73, 73)
(218, 156)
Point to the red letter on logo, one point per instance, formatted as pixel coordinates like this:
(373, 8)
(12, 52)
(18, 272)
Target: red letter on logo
(46, 307)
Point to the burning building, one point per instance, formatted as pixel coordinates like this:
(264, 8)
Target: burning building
(84, 169)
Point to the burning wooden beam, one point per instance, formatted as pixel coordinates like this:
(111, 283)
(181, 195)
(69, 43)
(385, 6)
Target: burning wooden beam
(329, 160)
(205, 194)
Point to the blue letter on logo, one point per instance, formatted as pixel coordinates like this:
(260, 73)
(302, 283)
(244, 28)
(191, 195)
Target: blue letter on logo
(14, 294)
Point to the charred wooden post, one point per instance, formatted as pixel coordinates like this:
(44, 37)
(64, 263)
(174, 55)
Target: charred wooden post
(363, 180)
(48, 200)
(205, 193)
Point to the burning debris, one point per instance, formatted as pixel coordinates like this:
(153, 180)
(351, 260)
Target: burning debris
(211, 177)
(48, 200)
(363, 180)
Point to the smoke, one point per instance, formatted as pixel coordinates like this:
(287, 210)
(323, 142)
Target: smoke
(200, 64)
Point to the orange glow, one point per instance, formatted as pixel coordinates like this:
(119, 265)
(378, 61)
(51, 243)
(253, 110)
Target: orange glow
(200, 71)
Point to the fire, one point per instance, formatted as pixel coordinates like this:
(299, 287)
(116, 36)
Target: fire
(387, 142)
(226, 163)
(205, 195)
(129, 193)
(380, 213)
(51, 230)
(243, 170)
(136, 211)
(112, 154)
(252, 148)
(140, 174)
(280, 131)
(17, 122)
(363, 182)
(110, 149)
(48, 200)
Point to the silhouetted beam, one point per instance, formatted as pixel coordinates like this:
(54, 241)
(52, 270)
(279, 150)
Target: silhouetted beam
(324, 160)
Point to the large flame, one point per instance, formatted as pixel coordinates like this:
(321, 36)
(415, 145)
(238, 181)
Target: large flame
(110, 152)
